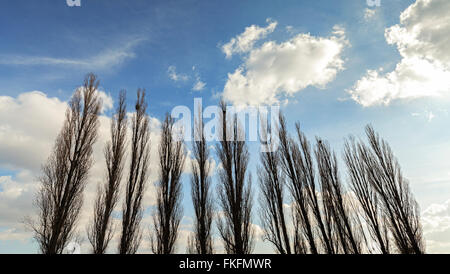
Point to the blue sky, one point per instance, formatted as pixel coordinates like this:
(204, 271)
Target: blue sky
(47, 46)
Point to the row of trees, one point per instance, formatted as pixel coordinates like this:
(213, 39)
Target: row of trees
(304, 206)
(377, 214)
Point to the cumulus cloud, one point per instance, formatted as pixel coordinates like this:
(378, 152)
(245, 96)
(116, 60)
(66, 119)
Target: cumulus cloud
(245, 41)
(422, 41)
(107, 101)
(16, 197)
(436, 227)
(105, 98)
(276, 69)
(29, 125)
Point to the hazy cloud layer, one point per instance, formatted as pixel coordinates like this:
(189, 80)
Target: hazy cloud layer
(104, 60)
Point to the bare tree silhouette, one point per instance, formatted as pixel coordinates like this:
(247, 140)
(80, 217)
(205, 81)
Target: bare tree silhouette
(291, 162)
(305, 162)
(346, 224)
(368, 198)
(65, 174)
(201, 242)
(398, 204)
(140, 152)
(234, 188)
(272, 199)
(101, 229)
(327, 217)
(168, 210)
(324, 220)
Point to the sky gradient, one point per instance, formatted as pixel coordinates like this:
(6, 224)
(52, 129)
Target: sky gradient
(334, 66)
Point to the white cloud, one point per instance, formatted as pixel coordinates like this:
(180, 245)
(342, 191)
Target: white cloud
(29, 125)
(245, 41)
(199, 85)
(276, 69)
(104, 60)
(16, 197)
(422, 41)
(105, 98)
(192, 78)
(258, 232)
(107, 101)
(172, 71)
(15, 234)
(436, 227)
